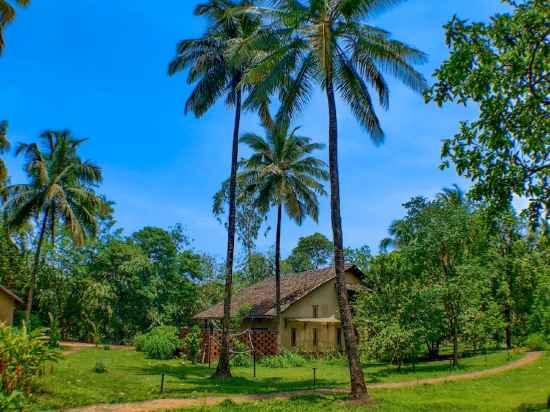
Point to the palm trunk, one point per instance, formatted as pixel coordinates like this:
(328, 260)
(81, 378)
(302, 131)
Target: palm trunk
(223, 370)
(278, 263)
(358, 386)
(35, 268)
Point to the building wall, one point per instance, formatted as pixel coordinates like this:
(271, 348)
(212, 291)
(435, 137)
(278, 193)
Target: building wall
(327, 334)
(7, 307)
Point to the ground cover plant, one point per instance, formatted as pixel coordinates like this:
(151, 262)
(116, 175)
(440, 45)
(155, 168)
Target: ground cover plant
(131, 376)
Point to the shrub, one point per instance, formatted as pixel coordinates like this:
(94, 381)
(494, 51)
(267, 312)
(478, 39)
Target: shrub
(100, 367)
(14, 402)
(536, 342)
(241, 357)
(161, 342)
(192, 344)
(22, 357)
(285, 359)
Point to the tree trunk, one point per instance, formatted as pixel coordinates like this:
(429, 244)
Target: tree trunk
(508, 327)
(358, 386)
(455, 345)
(35, 268)
(223, 369)
(278, 263)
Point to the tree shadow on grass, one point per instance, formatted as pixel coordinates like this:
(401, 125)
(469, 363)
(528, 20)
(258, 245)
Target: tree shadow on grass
(532, 407)
(196, 380)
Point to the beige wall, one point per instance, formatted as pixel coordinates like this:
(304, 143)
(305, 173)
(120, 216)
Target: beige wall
(7, 307)
(325, 298)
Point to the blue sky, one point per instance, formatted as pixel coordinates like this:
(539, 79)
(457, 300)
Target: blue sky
(99, 69)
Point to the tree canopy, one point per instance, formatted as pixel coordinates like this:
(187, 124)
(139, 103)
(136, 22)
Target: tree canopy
(501, 67)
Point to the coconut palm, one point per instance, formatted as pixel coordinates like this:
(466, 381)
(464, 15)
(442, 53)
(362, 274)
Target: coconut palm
(216, 64)
(7, 15)
(60, 192)
(4, 147)
(328, 42)
(282, 172)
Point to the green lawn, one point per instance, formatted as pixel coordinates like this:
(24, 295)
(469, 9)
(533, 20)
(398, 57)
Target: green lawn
(520, 390)
(132, 377)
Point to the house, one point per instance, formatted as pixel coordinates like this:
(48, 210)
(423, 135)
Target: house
(8, 300)
(309, 320)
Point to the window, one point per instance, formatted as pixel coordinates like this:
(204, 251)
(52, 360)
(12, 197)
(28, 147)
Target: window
(339, 337)
(315, 311)
(293, 339)
(315, 337)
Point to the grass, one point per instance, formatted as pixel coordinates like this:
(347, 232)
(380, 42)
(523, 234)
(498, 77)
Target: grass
(520, 390)
(130, 377)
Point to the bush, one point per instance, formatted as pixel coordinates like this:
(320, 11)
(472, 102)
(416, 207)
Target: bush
(14, 402)
(241, 357)
(22, 357)
(161, 342)
(192, 344)
(536, 342)
(285, 359)
(100, 367)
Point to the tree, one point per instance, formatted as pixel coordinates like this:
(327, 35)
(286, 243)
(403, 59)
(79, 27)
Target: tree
(4, 147)
(328, 42)
(312, 252)
(249, 220)
(60, 191)
(502, 67)
(217, 63)
(7, 16)
(282, 172)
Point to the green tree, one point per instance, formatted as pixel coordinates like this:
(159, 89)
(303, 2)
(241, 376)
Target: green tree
(282, 172)
(312, 252)
(328, 42)
(60, 192)
(502, 67)
(7, 16)
(217, 63)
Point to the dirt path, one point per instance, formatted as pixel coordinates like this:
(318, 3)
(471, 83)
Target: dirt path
(168, 404)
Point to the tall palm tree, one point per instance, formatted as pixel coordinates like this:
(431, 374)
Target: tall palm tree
(282, 172)
(7, 15)
(4, 147)
(328, 42)
(60, 191)
(216, 64)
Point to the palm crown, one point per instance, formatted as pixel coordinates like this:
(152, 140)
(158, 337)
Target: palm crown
(7, 15)
(217, 61)
(316, 41)
(282, 171)
(61, 187)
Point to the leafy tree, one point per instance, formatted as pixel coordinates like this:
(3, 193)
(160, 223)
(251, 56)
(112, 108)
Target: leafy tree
(329, 43)
(312, 252)
(249, 219)
(358, 257)
(217, 63)
(502, 67)
(60, 191)
(7, 16)
(283, 172)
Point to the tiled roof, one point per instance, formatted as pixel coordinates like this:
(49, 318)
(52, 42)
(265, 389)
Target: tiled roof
(261, 295)
(11, 294)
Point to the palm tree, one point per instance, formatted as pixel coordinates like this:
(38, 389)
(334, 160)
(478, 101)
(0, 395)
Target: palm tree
(282, 172)
(7, 15)
(60, 192)
(216, 64)
(328, 42)
(4, 147)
